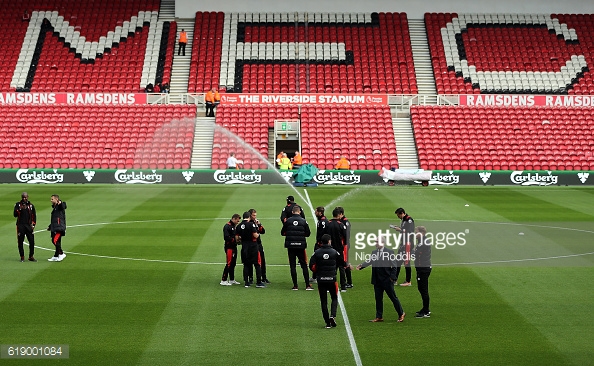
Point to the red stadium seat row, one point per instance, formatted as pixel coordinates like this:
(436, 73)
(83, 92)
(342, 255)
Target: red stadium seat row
(512, 53)
(366, 136)
(367, 142)
(57, 69)
(501, 138)
(97, 136)
(376, 56)
(249, 125)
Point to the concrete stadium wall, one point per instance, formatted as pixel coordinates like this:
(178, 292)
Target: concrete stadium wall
(414, 9)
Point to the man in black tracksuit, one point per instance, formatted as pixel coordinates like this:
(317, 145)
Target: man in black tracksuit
(423, 268)
(230, 251)
(321, 226)
(406, 245)
(288, 210)
(338, 232)
(323, 263)
(296, 230)
(321, 229)
(249, 251)
(383, 276)
(347, 246)
(26, 218)
(57, 227)
(261, 230)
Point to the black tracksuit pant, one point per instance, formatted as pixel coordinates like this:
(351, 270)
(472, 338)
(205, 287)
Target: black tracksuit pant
(294, 256)
(332, 288)
(22, 232)
(423, 286)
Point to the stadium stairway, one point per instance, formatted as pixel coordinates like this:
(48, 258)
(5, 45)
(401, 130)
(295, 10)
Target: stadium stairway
(405, 144)
(167, 11)
(203, 139)
(271, 152)
(422, 59)
(180, 71)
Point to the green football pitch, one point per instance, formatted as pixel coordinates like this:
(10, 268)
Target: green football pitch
(511, 281)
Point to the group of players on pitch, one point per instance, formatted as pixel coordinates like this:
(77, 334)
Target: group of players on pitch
(331, 254)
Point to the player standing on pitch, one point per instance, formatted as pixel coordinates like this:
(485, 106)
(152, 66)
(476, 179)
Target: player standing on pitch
(347, 246)
(288, 209)
(57, 227)
(338, 232)
(423, 268)
(24, 211)
(406, 245)
(323, 263)
(322, 228)
(230, 251)
(261, 230)
(296, 230)
(249, 251)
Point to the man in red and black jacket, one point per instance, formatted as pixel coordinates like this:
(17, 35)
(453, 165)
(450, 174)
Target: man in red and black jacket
(26, 218)
(338, 232)
(323, 263)
(322, 225)
(261, 231)
(296, 231)
(249, 251)
(322, 228)
(288, 210)
(423, 268)
(57, 227)
(347, 246)
(230, 251)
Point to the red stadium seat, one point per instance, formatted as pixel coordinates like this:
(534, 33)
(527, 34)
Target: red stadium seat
(518, 141)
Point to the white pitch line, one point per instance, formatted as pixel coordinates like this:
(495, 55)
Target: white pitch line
(347, 324)
(285, 265)
(515, 260)
(349, 331)
(313, 213)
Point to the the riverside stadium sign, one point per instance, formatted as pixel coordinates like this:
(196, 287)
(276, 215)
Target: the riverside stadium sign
(304, 98)
(73, 98)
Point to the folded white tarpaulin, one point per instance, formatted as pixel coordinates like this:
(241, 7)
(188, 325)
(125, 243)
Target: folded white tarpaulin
(405, 174)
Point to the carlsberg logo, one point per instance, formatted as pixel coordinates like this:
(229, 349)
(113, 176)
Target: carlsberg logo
(533, 179)
(132, 177)
(231, 177)
(337, 178)
(440, 179)
(24, 176)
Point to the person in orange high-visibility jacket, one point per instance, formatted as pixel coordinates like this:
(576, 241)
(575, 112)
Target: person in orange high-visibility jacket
(183, 40)
(297, 160)
(209, 99)
(279, 157)
(343, 163)
(217, 100)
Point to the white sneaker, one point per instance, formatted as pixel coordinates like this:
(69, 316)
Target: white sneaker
(225, 283)
(54, 259)
(62, 256)
(235, 282)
